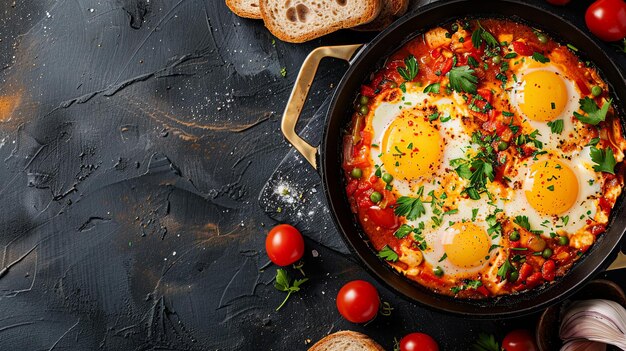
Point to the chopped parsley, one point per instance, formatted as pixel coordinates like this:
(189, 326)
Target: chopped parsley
(445, 255)
(556, 127)
(540, 58)
(474, 213)
(403, 231)
(480, 34)
(388, 254)
(594, 114)
(432, 88)
(522, 221)
(410, 71)
(409, 207)
(503, 271)
(510, 55)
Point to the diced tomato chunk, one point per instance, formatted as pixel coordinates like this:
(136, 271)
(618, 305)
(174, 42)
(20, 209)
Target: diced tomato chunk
(383, 217)
(446, 67)
(548, 270)
(485, 94)
(522, 48)
(352, 186)
(483, 291)
(368, 91)
(598, 229)
(534, 280)
(524, 271)
(584, 89)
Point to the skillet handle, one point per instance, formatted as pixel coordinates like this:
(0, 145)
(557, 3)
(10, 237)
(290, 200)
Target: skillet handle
(300, 92)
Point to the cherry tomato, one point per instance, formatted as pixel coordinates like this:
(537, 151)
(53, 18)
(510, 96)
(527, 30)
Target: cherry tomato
(418, 342)
(284, 245)
(358, 301)
(519, 340)
(558, 2)
(607, 19)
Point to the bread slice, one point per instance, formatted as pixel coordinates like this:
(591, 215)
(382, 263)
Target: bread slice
(392, 9)
(245, 8)
(297, 21)
(346, 341)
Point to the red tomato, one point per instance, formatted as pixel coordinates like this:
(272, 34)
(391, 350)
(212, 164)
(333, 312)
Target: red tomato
(519, 340)
(607, 19)
(418, 342)
(383, 217)
(284, 245)
(522, 48)
(558, 2)
(358, 301)
(548, 270)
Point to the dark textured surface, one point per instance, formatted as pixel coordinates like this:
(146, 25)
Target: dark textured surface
(135, 138)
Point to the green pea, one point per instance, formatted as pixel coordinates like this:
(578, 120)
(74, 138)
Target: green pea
(438, 271)
(376, 197)
(563, 240)
(496, 59)
(393, 85)
(364, 109)
(455, 27)
(596, 90)
(356, 173)
(542, 38)
(503, 145)
(514, 236)
(387, 178)
(513, 276)
(546, 253)
(364, 100)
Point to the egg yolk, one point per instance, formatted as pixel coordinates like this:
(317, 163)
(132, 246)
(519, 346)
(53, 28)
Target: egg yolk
(469, 245)
(553, 187)
(544, 96)
(412, 148)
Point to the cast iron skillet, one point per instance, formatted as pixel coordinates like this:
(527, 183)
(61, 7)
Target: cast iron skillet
(371, 57)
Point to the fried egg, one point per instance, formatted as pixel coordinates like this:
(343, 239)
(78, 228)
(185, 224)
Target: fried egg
(557, 193)
(415, 138)
(543, 95)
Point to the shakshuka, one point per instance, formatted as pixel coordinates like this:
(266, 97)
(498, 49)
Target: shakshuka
(483, 158)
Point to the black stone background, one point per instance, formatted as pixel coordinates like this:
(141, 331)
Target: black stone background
(135, 139)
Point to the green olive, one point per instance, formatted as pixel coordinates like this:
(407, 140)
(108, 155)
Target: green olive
(376, 197)
(542, 38)
(563, 240)
(438, 271)
(387, 178)
(596, 90)
(496, 59)
(502, 145)
(364, 109)
(514, 236)
(513, 276)
(364, 100)
(356, 173)
(546, 253)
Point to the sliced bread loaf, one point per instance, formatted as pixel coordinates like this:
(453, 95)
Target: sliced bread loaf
(346, 341)
(245, 8)
(392, 9)
(297, 21)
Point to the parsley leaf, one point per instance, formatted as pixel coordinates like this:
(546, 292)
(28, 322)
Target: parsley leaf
(462, 167)
(556, 126)
(522, 221)
(403, 231)
(409, 207)
(481, 34)
(283, 283)
(486, 342)
(595, 114)
(432, 88)
(388, 254)
(462, 79)
(410, 72)
(604, 159)
(503, 271)
(540, 58)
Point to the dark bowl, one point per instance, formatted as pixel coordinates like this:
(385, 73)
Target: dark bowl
(372, 56)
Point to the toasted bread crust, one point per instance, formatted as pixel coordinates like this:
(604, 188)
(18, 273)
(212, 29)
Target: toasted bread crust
(392, 9)
(330, 342)
(282, 31)
(245, 8)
